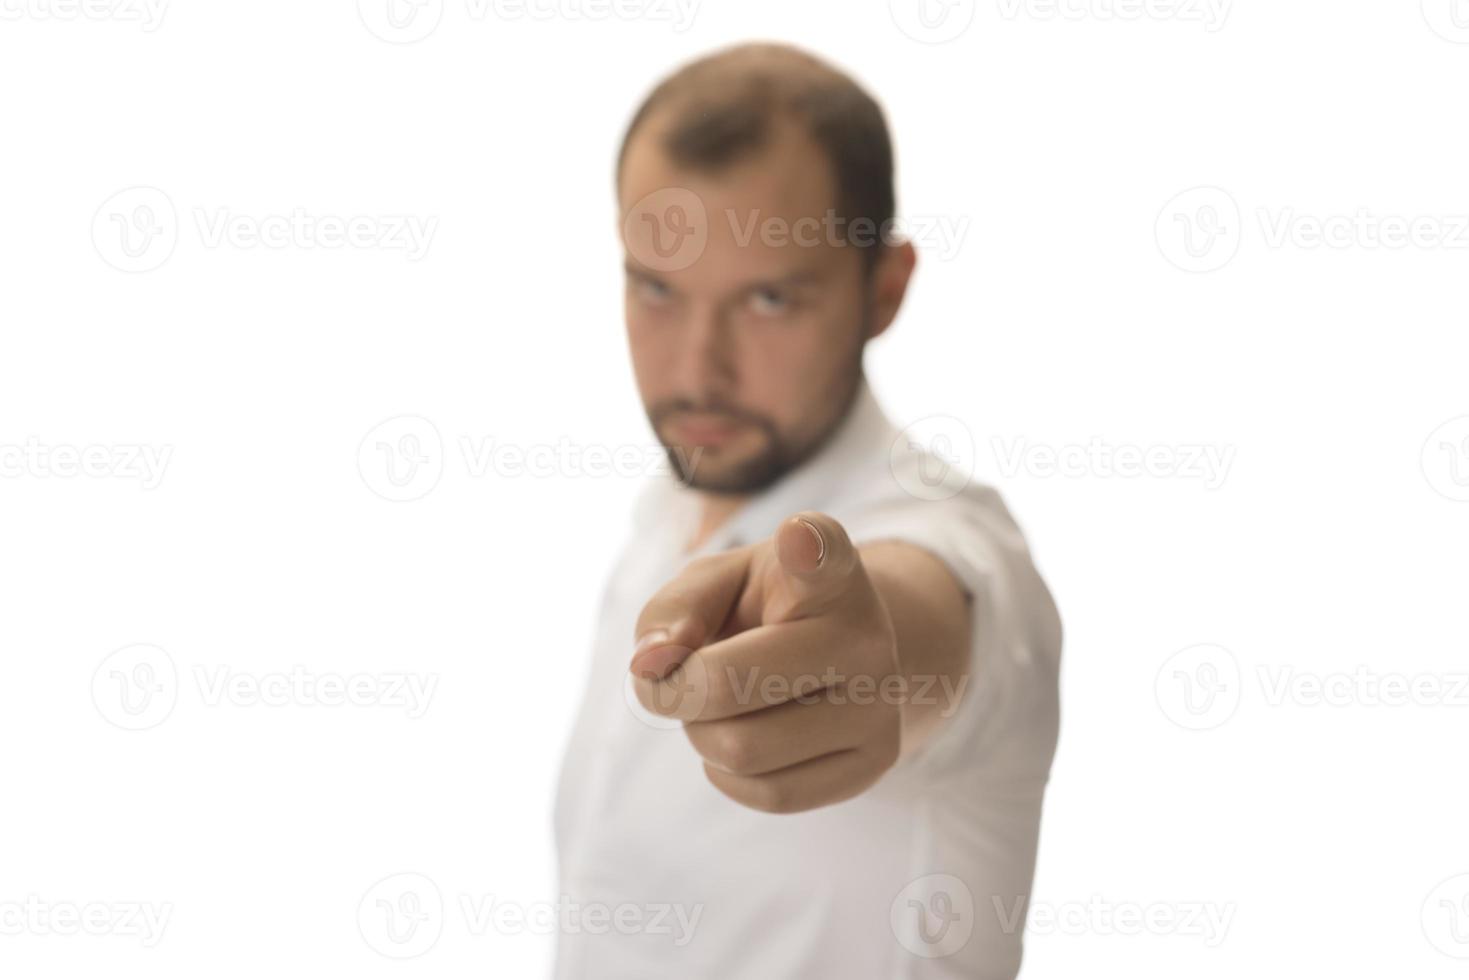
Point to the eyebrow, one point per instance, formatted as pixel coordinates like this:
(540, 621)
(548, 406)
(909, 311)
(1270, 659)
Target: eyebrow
(800, 277)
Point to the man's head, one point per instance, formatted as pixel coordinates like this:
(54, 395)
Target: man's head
(755, 192)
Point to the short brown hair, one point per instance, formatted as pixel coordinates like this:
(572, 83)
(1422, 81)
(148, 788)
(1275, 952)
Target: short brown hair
(724, 104)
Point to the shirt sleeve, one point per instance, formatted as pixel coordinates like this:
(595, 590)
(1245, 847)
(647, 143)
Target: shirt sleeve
(1006, 721)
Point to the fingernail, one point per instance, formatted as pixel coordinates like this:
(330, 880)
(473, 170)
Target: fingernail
(652, 656)
(649, 640)
(820, 541)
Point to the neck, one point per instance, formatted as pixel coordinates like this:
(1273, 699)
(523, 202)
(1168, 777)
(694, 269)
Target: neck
(714, 510)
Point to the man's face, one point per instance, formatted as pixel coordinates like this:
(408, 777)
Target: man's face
(747, 343)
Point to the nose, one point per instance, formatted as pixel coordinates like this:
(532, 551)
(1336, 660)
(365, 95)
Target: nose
(708, 355)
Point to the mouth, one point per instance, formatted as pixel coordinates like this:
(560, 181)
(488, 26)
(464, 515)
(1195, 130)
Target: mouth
(701, 429)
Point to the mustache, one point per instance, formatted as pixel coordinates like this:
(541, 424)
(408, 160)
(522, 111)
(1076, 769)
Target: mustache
(677, 406)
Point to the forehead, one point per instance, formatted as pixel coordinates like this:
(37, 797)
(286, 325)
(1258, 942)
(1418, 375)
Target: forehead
(749, 210)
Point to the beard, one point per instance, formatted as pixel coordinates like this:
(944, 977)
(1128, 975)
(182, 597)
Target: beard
(702, 469)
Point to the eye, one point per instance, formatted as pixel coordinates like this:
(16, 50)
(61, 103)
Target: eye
(768, 301)
(652, 290)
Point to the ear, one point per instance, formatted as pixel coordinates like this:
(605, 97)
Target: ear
(889, 283)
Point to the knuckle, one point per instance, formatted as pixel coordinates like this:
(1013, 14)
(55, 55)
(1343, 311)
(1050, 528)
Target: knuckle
(722, 696)
(737, 750)
(770, 796)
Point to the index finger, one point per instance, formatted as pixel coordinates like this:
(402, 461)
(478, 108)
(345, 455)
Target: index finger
(687, 611)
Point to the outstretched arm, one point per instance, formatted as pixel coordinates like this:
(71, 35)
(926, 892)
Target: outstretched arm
(802, 666)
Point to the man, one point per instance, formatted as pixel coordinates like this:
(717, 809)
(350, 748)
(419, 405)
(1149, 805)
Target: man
(822, 707)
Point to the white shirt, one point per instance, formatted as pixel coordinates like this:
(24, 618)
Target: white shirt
(926, 874)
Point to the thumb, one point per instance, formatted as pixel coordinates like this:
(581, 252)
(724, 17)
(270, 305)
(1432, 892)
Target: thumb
(818, 559)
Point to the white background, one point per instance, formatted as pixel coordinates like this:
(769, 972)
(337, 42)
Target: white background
(1330, 552)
